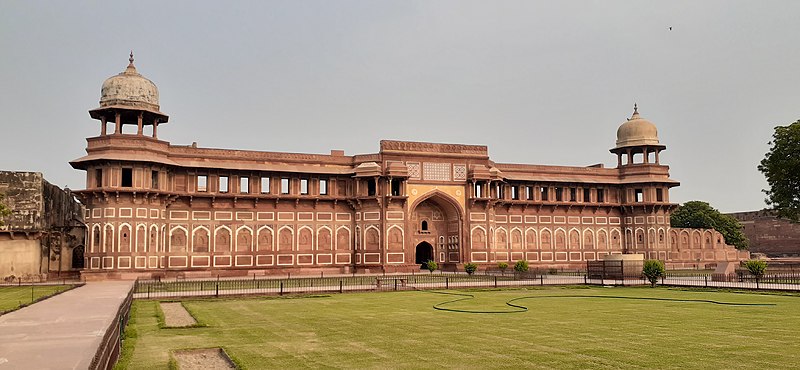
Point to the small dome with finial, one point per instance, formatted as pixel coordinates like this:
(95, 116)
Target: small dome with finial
(636, 131)
(129, 89)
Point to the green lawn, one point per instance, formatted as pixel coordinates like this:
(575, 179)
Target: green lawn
(12, 297)
(402, 330)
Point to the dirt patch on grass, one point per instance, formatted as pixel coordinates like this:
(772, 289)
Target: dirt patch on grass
(176, 316)
(202, 359)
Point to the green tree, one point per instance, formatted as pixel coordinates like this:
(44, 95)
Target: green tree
(756, 267)
(4, 209)
(781, 166)
(431, 266)
(470, 268)
(521, 266)
(697, 214)
(652, 270)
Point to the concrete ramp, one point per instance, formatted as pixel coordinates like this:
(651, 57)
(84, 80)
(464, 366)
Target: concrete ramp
(78, 329)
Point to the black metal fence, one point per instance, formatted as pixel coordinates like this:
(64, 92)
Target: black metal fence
(396, 282)
(344, 283)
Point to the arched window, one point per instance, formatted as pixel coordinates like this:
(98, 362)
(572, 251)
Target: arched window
(424, 226)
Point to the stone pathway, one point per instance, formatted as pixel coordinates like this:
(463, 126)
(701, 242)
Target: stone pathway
(203, 359)
(176, 316)
(62, 332)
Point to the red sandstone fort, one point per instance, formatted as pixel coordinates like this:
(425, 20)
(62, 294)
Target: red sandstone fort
(155, 209)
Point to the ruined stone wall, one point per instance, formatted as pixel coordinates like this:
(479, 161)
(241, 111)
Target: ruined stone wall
(44, 228)
(19, 257)
(769, 234)
(36, 204)
(23, 195)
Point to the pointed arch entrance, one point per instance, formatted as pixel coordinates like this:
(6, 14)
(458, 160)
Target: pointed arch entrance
(423, 253)
(437, 228)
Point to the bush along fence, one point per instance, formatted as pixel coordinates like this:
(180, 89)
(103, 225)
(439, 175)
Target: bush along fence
(444, 280)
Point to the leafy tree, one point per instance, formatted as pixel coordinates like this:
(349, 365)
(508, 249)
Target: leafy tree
(4, 209)
(470, 268)
(521, 266)
(431, 265)
(781, 166)
(697, 214)
(756, 267)
(502, 266)
(652, 270)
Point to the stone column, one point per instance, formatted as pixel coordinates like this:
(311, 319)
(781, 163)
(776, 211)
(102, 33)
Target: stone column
(103, 123)
(118, 123)
(139, 124)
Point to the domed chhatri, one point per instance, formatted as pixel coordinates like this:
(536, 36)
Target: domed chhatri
(129, 99)
(637, 142)
(130, 89)
(637, 131)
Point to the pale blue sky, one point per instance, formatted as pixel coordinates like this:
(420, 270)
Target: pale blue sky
(538, 82)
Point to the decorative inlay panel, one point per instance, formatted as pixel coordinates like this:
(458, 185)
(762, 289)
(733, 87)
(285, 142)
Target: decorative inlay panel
(436, 171)
(413, 170)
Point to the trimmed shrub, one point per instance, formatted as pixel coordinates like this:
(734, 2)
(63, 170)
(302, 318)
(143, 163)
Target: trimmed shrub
(502, 266)
(521, 266)
(431, 265)
(652, 270)
(470, 268)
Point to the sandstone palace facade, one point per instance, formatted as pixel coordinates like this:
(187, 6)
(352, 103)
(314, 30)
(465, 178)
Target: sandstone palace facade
(154, 208)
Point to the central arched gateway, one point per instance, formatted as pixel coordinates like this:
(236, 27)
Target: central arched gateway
(424, 253)
(437, 227)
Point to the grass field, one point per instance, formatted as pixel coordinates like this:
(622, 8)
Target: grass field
(12, 297)
(559, 330)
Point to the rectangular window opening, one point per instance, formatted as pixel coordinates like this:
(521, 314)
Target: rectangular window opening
(323, 187)
(528, 193)
(559, 194)
(587, 195)
(544, 192)
(265, 185)
(371, 189)
(154, 179)
(573, 194)
(202, 183)
(515, 192)
(127, 178)
(639, 195)
(478, 190)
(223, 184)
(244, 185)
(601, 195)
(284, 185)
(500, 193)
(98, 177)
(304, 186)
(659, 195)
(395, 188)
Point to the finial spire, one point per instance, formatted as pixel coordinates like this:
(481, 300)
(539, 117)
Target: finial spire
(635, 108)
(131, 58)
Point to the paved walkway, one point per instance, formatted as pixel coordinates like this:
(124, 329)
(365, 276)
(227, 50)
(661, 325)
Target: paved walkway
(62, 332)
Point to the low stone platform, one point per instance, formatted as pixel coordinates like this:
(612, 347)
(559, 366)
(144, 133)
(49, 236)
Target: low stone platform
(78, 329)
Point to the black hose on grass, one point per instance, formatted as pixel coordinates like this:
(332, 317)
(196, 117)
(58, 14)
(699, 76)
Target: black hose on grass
(516, 308)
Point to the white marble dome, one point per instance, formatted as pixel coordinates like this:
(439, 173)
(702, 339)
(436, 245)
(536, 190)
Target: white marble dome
(129, 89)
(637, 131)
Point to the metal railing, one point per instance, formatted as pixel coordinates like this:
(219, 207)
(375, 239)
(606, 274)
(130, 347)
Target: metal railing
(343, 283)
(265, 285)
